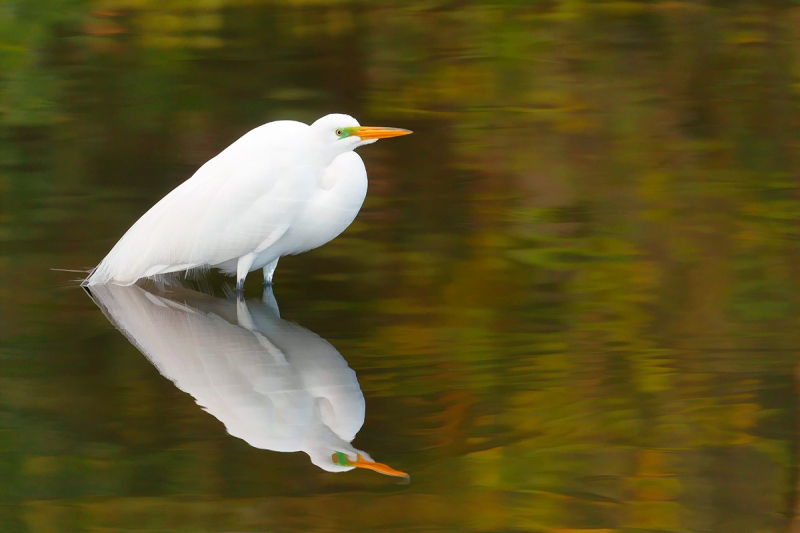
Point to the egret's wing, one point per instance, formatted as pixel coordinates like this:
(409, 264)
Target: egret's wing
(219, 363)
(233, 204)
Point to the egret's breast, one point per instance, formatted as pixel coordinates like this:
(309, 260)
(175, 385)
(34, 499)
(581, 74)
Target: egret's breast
(339, 194)
(346, 179)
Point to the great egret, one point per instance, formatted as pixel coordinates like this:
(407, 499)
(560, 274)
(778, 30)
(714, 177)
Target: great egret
(273, 384)
(281, 189)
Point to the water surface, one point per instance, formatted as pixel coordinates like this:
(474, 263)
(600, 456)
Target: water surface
(570, 299)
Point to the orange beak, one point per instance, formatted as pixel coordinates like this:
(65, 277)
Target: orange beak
(378, 467)
(374, 132)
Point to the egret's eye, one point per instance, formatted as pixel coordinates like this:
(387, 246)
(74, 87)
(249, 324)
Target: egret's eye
(339, 133)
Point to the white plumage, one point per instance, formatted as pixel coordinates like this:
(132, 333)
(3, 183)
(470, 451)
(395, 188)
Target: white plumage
(273, 384)
(282, 188)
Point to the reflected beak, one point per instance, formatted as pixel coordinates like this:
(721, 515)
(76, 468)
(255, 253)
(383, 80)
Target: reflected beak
(374, 132)
(378, 467)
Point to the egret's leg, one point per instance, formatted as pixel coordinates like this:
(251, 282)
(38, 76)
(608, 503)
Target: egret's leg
(269, 271)
(242, 268)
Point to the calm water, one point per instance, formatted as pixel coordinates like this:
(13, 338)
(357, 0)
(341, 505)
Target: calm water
(569, 302)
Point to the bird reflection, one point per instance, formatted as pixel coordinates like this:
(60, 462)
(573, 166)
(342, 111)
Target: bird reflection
(273, 384)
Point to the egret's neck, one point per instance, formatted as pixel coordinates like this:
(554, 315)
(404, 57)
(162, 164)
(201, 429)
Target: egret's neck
(322, 152)
(319, 160)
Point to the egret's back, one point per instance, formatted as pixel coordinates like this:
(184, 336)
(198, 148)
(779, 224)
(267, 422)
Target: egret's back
(225, 210)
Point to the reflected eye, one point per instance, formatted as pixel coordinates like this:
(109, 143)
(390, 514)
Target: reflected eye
(339, 133)
(340, 459)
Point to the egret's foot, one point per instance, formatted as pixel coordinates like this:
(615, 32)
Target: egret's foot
(242, 268)
(267, 283)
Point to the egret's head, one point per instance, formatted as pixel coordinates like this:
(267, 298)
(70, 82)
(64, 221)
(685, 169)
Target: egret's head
(339, 133)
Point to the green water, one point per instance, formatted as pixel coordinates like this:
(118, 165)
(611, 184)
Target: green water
(570, 299)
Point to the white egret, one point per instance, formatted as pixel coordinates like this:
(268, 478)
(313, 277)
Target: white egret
(273, 384)
(281, 189)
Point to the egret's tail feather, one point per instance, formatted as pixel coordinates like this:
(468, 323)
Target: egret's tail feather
(87, 280)
(75, 271)
(102, 274)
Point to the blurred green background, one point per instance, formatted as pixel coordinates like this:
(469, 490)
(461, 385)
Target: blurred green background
(570, 298)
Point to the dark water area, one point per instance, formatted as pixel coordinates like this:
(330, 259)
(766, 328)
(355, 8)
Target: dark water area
(570, 301)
